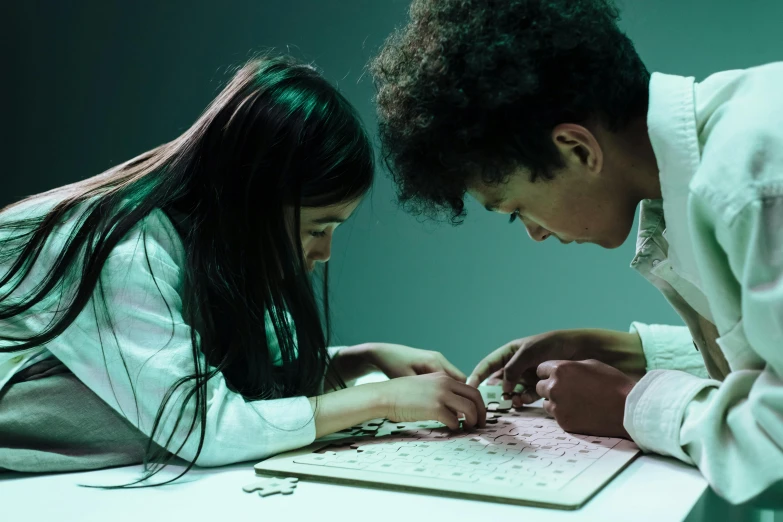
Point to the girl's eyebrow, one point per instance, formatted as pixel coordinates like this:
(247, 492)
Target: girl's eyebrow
(328, 220)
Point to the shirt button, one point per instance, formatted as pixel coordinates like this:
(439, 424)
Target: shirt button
(655, 262)
(17, 359)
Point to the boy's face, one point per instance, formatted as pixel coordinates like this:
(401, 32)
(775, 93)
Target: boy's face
(591, 199)
(577, 205)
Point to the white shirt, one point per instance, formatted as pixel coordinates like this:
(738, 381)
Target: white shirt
(714, 247)
(155, 343)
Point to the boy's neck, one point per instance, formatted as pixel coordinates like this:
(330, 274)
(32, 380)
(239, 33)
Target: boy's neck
(637, 160)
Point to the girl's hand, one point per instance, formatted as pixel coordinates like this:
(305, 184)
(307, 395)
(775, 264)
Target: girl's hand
(434, 396)
(396, 360)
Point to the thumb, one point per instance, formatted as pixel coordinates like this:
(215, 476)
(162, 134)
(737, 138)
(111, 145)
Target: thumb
(508, 384)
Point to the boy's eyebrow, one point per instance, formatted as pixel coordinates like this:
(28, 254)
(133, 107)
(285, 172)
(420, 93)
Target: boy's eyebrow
(492, 205)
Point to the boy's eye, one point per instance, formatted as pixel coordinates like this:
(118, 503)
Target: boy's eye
(318, 233)
(514, 215)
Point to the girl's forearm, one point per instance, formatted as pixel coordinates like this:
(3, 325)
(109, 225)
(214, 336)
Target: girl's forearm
(342, 409)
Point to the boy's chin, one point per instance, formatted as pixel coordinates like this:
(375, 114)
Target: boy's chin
(610, 245)
(615, 241)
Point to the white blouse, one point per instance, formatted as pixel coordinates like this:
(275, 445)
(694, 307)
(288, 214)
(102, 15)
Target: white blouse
(150, 348)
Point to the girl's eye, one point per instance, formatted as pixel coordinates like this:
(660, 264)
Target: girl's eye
(318, 233)
(514, 215)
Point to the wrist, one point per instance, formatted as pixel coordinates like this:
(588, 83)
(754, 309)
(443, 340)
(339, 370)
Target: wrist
(344, 408)
(622, 350)
(378, 403)
(365, 353)
(626, 391)
(355, 361)
(631, 354)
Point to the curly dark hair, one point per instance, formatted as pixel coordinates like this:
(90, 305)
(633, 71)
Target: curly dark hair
(474, 88)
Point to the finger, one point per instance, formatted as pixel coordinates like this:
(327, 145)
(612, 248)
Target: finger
(448, 417)
(473, 396)
(508, 384)
(464, 405)
(544, 388)
(528, 396)
(491, 363)
(549, 408)
(517, 365)
(495, 377)
(546, 368)
(452, 370)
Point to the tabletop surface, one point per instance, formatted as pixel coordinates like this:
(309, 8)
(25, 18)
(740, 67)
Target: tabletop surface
(651, 488)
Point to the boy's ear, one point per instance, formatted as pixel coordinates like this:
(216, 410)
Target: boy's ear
(578, 147)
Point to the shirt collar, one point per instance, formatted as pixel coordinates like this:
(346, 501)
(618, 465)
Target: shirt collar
(671, 124)
(650, 222)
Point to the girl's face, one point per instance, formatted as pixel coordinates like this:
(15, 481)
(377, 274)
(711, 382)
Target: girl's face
(317, 226)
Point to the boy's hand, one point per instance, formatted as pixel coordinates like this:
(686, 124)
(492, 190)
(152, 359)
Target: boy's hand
(435, 396)
(585, 396)
(403, 361)
(519, 360)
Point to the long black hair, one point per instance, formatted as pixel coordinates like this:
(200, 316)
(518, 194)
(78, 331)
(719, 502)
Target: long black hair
(276, 138)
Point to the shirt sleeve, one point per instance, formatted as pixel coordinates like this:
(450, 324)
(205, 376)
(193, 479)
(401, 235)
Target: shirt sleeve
(132, 355)
(670, 348)
(733, 431)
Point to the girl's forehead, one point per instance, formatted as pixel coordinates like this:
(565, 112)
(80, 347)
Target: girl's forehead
(339, 212)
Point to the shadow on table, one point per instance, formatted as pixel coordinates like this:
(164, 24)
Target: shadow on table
(767, 507)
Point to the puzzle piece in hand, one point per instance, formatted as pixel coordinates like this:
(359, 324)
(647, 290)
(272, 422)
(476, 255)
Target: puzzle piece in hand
(493, 398)
(272, 485)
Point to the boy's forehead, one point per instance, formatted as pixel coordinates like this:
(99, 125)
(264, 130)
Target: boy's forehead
(490, 196)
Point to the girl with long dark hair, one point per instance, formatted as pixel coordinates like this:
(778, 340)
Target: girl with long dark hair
(165, 307)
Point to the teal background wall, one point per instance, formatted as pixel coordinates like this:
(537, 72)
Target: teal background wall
(92, 83)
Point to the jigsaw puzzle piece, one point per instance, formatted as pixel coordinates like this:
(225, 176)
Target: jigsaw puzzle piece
(547, 442)
(586, 452)
(456, 473)
(315, 459)
(494, 394)
(272, 486)
(349, 462)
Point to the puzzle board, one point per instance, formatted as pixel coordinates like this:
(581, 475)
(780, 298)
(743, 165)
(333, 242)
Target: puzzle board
(521, 457)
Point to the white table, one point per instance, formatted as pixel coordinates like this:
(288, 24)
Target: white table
(651, 489)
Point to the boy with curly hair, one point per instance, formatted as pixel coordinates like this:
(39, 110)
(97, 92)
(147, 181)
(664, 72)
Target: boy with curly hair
(542, 110)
